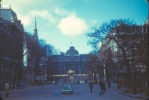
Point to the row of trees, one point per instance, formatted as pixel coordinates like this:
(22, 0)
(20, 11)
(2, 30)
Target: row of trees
(14, 46)
(37, 53)
(131, 43)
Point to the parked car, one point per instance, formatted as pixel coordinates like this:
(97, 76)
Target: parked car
(21, 85)
(67, 88)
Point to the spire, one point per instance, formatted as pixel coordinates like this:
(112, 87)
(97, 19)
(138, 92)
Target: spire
(0, 4)
(35, 25)
(0, 8)
(147, 19)
(35, 32)
(148, 12)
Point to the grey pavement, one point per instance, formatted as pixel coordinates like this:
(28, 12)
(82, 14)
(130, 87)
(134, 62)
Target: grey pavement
(139, 96)
(81, 91)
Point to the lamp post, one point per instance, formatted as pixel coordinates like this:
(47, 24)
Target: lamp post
(94, 71)
(115, 68)
(93, 75)
(104, 65)
(54, 79)
(0, 8)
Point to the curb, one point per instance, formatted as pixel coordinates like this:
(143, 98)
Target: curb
(126, 94)
(133, 96)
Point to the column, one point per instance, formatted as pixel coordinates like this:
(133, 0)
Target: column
(64, 69)
(75, 68)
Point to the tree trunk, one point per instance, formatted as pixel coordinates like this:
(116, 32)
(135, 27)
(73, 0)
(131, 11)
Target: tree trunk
(36, 68)
(128, 69)
(15, 77)
(127, 63)
(147, 91)
(108, 77)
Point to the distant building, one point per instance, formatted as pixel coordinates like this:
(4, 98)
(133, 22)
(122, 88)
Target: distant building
(11, 43)
(72, 62)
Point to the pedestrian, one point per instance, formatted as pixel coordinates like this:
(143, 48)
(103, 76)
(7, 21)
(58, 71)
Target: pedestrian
(7, 89)
(42, 84)
(102, 87)
(1, 98)
(91, 86)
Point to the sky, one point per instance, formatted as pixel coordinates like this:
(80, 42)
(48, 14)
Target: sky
(64, 23)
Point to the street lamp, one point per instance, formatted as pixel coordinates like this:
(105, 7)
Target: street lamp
(115, 71)
(54, 79)
(94, 71)
(104, 65)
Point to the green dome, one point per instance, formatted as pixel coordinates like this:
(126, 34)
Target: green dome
(72, 50)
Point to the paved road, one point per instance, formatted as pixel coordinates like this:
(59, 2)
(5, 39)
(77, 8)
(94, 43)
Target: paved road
(53, 92)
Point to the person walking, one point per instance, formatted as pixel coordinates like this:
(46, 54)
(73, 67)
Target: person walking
(42, 84)
(1, 98)
(7, 89)
(91, 86)
(102, 87)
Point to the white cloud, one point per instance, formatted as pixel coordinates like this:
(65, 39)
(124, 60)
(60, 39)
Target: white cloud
(44, 14)
(60, 11)
(52, 13)
(26, 20)
(26, 10)
(63, 12)
(72, 25)
(46, 35)
(94, 21)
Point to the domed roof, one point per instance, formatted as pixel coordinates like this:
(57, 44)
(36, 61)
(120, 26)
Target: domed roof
(72, 50)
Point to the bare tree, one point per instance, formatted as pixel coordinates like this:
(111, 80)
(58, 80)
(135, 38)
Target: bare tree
(91, 67)
(118, 31)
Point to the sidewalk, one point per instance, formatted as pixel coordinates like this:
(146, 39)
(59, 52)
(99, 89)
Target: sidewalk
(121, 91)
(2, 93)
(139, 96)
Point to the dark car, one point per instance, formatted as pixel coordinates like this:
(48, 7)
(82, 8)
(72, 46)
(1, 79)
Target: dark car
(67, 88)
(21, 85)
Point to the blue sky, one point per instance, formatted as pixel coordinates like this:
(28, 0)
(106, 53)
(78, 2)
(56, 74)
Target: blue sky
(61, 22)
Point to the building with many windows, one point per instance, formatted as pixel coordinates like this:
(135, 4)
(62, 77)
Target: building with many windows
(61, 66)
(11, 43)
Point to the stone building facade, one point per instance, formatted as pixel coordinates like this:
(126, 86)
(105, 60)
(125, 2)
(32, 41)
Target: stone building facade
(64, 64)
(11, 43)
